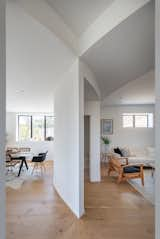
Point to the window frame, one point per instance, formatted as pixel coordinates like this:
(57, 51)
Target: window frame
(45, 125)
(28, 116)
(31, 125)
(134, 120)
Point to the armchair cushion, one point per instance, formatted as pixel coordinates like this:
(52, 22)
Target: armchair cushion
(131, 169)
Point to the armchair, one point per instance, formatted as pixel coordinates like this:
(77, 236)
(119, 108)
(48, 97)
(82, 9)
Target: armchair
(126, 171)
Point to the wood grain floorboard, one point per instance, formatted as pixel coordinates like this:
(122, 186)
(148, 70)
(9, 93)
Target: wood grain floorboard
(112, 211)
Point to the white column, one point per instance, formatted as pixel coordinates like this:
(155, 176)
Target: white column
(157, 118)
(2, 118)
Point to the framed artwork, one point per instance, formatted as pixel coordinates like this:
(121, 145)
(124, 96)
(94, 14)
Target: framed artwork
(107, 126)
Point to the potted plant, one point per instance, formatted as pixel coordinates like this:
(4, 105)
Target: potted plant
(106, 142)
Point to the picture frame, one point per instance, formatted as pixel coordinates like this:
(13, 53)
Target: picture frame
(106, 126)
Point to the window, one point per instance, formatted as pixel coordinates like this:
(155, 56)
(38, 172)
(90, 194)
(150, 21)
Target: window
(128, 121)
(141, 121)
(36, 127)
(138, 120)
(49, 127)
(24, 129)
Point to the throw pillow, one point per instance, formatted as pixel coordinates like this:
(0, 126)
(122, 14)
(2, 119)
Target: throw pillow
(118, 151)
(125, 152)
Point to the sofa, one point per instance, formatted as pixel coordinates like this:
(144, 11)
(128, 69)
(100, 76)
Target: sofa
(145, 156)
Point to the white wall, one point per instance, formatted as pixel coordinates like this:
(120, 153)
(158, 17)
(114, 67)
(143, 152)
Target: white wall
(67, 179)
(157, 119)
(87, 74)
(69, 136)
(2, 120)
(92, 108)
(36, 146)
(134, 138)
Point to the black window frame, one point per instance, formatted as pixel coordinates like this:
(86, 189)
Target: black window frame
(31, 125)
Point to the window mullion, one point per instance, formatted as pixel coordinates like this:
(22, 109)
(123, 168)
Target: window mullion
(31, 119)
(134, 121)
(18, 128)
(44, 127)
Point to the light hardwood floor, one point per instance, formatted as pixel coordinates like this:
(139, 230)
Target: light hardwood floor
(112, 211)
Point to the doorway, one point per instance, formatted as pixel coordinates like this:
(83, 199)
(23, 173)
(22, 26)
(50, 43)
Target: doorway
(87, 147)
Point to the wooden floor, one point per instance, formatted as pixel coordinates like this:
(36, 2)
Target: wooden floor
(112, 211)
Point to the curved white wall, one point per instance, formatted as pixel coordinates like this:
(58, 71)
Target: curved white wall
(67, 147)
(69, 136)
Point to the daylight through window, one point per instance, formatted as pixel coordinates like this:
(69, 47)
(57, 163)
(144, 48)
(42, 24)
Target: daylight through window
(35, 127)
(138, 120)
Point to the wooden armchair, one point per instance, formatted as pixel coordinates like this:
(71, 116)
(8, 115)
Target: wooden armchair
(125, 171)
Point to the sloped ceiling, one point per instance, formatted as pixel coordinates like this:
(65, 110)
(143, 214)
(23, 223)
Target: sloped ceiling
(124, 54)
(36, 59)
(79, 14)
(139, 91)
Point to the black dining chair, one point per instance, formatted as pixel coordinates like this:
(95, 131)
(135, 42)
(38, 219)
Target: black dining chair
(39, 162)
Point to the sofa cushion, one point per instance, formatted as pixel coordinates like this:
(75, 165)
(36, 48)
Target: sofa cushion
(131, 169)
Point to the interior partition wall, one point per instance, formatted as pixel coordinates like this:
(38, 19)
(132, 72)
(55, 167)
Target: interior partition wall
(157, 119)
(2, 118)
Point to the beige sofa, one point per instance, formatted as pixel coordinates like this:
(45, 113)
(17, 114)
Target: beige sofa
(145, 156)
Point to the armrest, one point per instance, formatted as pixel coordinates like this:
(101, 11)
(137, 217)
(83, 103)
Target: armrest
(124, 158)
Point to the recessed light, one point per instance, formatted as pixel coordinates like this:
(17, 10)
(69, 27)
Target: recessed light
(19, 91)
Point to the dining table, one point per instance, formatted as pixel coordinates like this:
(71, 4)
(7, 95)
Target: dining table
(22, 158)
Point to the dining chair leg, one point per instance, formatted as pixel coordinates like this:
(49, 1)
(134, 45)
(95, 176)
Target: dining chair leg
(44, 167)
(35, 165)
(41, 166)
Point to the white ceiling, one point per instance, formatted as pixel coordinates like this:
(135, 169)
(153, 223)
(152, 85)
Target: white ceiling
(79, 14)
(139, 91)
(36, 58)
(124, 54)
(35, 61)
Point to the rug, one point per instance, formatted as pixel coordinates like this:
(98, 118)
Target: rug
(15, 182)
(148, 190)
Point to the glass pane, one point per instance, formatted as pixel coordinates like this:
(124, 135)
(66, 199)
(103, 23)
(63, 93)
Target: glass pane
(24, 127)
(49, 127)
(128, 121)
(150, 120)
(141, 121)
(38, 128)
